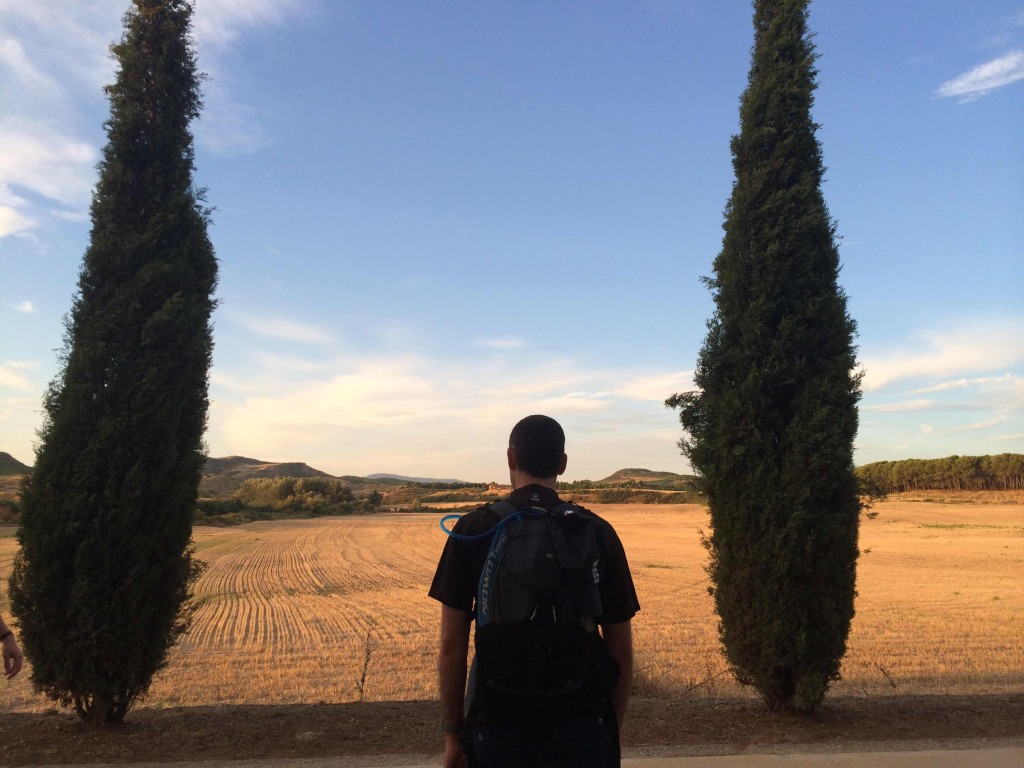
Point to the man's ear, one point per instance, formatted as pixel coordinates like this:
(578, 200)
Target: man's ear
(561, 467)
(511, 459)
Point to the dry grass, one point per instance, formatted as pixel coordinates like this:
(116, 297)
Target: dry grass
(335, 610)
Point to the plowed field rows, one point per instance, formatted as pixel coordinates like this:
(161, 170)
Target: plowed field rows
(335, 609)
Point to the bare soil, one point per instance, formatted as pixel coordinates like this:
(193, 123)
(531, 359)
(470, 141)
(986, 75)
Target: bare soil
(684, 726)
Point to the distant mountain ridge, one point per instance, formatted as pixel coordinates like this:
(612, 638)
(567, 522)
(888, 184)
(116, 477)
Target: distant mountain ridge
(404, 478)
(242, 465)
(221, 476)
(224, 474)
(11, 466)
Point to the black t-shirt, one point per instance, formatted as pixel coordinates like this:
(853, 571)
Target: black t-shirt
(458, 572)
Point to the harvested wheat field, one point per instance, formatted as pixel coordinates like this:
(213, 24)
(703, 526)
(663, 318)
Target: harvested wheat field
(333, 611)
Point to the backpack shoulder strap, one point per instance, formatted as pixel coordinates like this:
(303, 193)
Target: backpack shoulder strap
(503, 508)
(567, 507)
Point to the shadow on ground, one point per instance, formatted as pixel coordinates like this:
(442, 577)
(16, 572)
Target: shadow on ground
(680, 725)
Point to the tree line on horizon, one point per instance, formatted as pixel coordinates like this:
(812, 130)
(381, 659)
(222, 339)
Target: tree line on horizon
(998, 472)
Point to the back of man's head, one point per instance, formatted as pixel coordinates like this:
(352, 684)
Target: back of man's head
(538, 443)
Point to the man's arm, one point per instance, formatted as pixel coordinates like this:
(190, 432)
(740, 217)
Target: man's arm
(619, 639)
(11, 652)
(451, 667)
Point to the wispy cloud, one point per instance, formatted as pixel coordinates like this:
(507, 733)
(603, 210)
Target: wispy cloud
(976, 82)
(963, 384)
(656, 387)
(410, 413)
(26, 307)
(54, 61)
(12, 376)
(505, 342)
(229, 126)
(282, 328)
(902, 406)
(977, 346)
(54, 169)
(219, 23)
(12, 221)
(979, 426)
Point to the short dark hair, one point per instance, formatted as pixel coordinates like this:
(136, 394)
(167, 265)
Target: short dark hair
(538, 443)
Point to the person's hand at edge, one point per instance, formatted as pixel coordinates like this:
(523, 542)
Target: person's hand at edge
(12, 656)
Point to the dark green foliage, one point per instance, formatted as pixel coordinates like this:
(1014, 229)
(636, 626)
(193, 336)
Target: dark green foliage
(771, 430)
(102, 582)
(1001, 472)
(317, 495)
(276, 498)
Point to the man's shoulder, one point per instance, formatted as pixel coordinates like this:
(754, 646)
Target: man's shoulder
(580, 509)
(481, 519)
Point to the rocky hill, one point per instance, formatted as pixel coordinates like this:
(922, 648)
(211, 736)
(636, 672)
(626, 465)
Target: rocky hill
(11, 466)
(640, 475)
(222, 476)
(649, 479)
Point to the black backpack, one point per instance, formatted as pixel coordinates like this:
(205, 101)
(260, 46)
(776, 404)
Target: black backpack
(538, 603)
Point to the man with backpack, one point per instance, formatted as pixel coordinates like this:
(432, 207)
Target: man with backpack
(549, 587)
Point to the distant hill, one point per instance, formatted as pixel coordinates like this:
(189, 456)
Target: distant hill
(643, 476)
(222, 476)
(404, 479)
(11, 466)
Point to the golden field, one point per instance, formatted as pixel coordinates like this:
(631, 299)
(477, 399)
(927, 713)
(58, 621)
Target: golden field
(335, 609)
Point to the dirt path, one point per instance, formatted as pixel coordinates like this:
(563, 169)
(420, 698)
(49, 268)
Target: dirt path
(404, 733)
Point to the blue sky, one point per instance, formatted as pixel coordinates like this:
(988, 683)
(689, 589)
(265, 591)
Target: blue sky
(435, 218)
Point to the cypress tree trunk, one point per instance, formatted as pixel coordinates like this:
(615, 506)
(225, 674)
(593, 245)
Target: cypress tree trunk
(771, 430)
(101, 584)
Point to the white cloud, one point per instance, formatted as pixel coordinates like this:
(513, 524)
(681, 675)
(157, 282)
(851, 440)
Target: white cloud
(948, 386)
(505, 342)
(1008, 438)
(282, 328)
(13, 222)
(901, 407)
(12, 376)
(26, 307)
(980, 425)
(228, 126)
(976, 347)
(414, 415)
(65, 47)
(977, 82)
(218, 23)
(54, 62)
(656, 387)
(18, 66)
(45, 160)
(48, 164)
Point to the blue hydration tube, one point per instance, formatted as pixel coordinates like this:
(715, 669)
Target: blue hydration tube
(480, 536)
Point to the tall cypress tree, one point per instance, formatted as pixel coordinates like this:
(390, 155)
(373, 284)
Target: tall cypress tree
(771, 429)
(102, 581)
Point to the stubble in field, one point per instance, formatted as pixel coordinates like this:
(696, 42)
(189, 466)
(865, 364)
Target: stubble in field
(335, 609)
